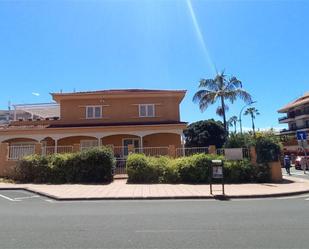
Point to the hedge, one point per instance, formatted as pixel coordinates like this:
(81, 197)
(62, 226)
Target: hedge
(90, 166)
(192, 169)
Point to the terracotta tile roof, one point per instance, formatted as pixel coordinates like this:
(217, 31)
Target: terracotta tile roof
(120, 91)
(298, 102)
(114, 124)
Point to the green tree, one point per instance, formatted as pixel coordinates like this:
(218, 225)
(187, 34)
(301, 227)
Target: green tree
(253, 112)
(233, 122)
(205, 133)
(220, 89)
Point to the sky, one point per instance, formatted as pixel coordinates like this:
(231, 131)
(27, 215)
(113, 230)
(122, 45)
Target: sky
(51, 46)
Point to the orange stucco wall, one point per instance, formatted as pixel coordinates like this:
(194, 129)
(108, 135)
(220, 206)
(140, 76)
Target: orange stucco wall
(162, 140)
(120, 109)
(20, 140)
(73, 140)
(116, 140)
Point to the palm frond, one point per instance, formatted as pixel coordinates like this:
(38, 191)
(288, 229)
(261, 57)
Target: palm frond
(220, 110)
(209, 84)
(201, 94)
(238, 93)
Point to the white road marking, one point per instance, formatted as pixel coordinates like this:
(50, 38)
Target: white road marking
(51, 201)
(171, 231)
(292, 197)
(26, 197)
(8, 198)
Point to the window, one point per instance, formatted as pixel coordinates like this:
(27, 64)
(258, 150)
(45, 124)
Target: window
(93, 112)
(293, 126)
(146, 110)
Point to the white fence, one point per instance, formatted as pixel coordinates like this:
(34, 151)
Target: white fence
(234, 153)
(49, 150)
(180, 152)
(152, 151)
(17, 152)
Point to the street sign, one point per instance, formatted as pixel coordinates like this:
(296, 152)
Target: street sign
(302, 142)
(301, 135)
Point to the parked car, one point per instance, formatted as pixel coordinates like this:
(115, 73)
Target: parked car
(298, 162)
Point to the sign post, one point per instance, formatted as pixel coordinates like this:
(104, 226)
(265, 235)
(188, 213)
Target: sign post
(302, 142)
(216, 172)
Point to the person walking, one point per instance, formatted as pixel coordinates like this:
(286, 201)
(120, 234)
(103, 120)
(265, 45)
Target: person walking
(287, 164)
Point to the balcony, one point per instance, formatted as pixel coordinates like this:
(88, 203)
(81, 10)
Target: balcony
(283, 118)
(294, 129)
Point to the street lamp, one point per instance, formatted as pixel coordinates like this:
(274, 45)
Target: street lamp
(240, 123)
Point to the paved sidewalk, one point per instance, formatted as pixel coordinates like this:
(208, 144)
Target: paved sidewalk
(119, 189)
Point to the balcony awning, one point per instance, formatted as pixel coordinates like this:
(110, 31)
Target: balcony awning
(42, 110)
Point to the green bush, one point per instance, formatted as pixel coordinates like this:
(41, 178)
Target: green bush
(268, 149)
(239, 140)
(90, 166)
(143, 169)
(194, 169)
(262, 173)
(34, 169)
(239, 171)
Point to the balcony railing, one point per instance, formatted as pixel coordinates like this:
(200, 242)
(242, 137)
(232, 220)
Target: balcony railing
(283, 118)
(293, 129)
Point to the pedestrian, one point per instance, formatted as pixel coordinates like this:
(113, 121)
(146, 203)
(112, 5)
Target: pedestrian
(287, 164)
(303, 164)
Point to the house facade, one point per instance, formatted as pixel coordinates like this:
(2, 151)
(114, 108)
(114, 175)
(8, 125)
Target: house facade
(117, 118)
(296, 118)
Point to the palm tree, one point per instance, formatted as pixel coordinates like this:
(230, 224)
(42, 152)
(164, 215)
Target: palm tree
(233, 122)
(253, 112)
(220, 89)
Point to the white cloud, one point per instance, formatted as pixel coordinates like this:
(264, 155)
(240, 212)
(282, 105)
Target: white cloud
(35, 94)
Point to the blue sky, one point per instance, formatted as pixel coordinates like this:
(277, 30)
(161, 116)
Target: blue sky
(48, 46)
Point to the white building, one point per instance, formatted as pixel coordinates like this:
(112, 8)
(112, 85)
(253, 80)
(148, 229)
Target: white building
(297, 115)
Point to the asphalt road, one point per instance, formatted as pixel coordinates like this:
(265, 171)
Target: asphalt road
(30, 221)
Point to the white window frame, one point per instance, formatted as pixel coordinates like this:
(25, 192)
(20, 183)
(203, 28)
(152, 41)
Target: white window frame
(147, 113)
(93, 109)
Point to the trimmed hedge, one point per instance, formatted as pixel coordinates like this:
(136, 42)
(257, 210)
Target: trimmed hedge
(192, 169)
(90, 166)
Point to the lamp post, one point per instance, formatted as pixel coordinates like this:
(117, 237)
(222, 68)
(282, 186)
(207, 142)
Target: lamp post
(240, 114)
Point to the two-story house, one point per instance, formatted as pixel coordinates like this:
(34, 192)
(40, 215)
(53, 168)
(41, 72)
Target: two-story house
(142, 118)
(297, 115)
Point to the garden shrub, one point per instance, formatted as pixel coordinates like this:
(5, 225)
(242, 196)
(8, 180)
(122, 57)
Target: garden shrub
(143, 169)
(90, 166)
(262, 172)
(239, 171)
(194, 169)
(268, 149)
(34, 169)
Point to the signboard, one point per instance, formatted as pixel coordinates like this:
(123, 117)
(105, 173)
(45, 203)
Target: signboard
(217, 169)
(301, 135)
(233, 154)
(217, 172)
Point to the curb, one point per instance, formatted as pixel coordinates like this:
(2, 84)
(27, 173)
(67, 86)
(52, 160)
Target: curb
(216, 197)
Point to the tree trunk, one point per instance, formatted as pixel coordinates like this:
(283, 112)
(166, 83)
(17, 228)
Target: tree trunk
(235, 127)
(223, 112)
(253, 126)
